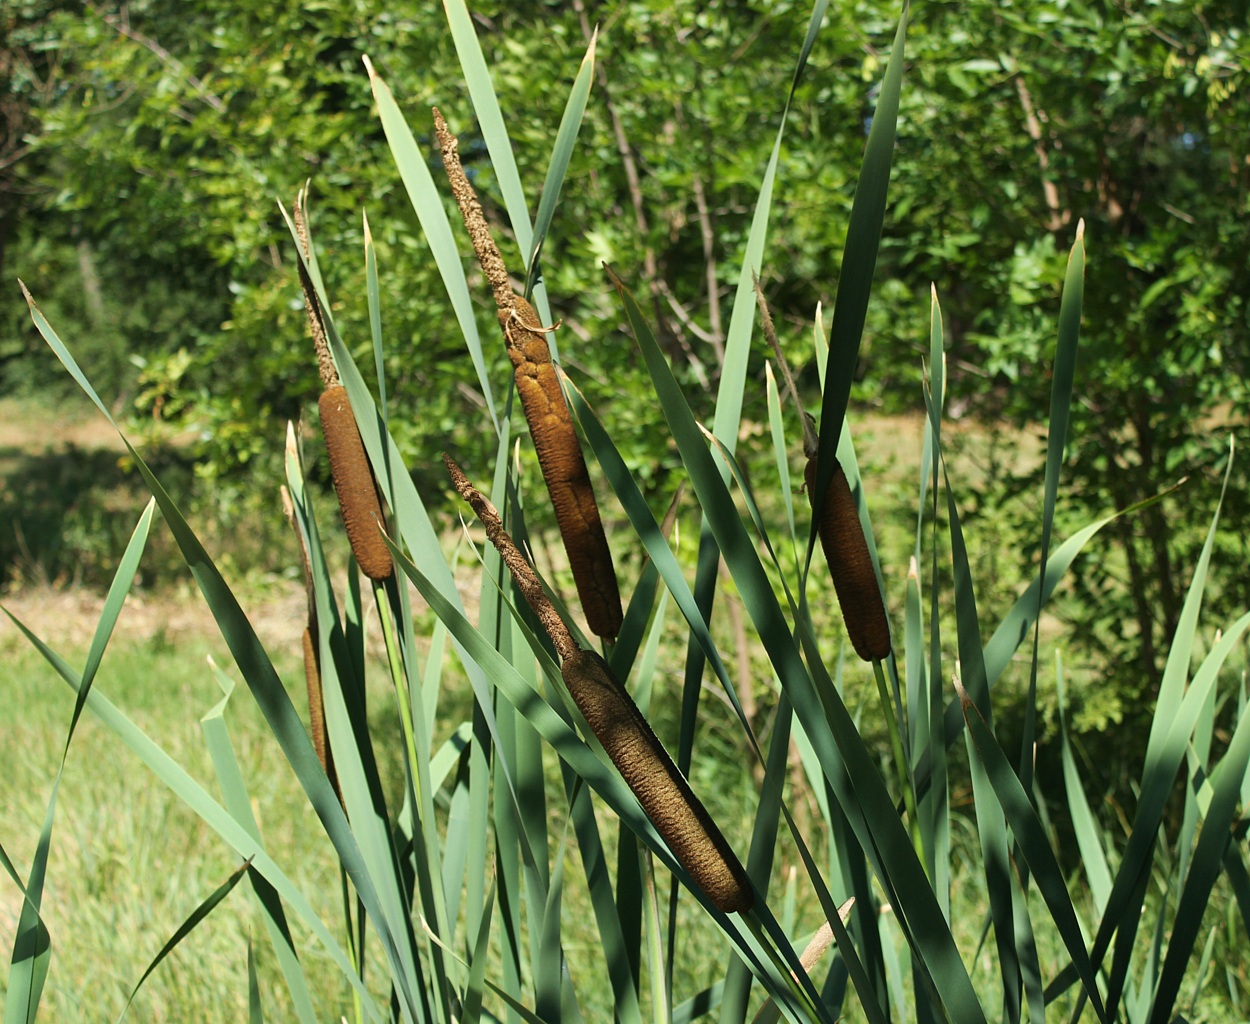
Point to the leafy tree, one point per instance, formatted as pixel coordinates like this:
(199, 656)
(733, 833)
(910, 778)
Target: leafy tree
(174, 126)
(1023, 118)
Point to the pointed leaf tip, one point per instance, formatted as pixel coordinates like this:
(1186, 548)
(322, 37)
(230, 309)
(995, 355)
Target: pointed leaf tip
(965, 700)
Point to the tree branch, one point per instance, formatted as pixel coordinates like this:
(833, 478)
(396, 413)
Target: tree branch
(1058, 218)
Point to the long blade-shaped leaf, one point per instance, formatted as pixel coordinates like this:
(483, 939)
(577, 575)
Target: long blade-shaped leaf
(863, 237)
(187, 927)
(1034, 844)
(561, 153)
(31, 947)
(414, 170)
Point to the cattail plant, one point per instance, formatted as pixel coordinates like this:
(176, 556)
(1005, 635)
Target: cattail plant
(841, 533)
(349, 466)
(665, 795)
(551, 425)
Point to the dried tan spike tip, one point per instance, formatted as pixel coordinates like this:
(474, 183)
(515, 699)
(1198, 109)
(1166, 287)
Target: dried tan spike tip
(665, 795)
(523, 573)
(353, 483)
(850, 565)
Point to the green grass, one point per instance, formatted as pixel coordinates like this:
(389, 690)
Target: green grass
(129, 862)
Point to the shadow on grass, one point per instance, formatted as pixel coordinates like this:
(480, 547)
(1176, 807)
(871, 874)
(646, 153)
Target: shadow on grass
(66, 514)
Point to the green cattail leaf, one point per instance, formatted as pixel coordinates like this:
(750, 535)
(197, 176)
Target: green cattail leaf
(557, 168)
(742, 318)
(914, 666)
(1034, 845)
(1238, 878)
(491, 120)
(449, 753)
(991, 825)
(238, 802)
(781, 456)
(1016, 624)
(1084, 825)
(618, 956)
(209, 904)
(753, 510)
(1063, 375)
(932, 444)
(554, 997)
(698, 1005)
(255, 1011)
(728, 415)
(32, 952)
(933, 801)
(476, 983)
(426, 201)
(1164, 748)
(859, 258)
(32, 947)
(257, 670)
(1025, 940)
(759, 863)
(375, 317)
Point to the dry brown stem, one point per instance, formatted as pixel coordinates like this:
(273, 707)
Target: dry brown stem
(523, 573)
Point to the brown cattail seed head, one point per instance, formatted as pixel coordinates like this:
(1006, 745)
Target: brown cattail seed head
(317, 710)
(661, 789)
(564, 468)
(316, 707)
(850, 565)
(353, 483)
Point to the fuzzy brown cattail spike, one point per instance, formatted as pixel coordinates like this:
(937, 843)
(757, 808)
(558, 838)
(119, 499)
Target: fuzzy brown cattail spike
(614, 718)
(850, 565)
(644, 764)
(353, 483)
(564, 468)
(547, 413)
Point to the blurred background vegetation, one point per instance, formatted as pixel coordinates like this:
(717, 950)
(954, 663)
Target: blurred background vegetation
(143, 146)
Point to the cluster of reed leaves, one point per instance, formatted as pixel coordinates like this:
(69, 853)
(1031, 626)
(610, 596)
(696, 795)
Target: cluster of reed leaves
(460, 889)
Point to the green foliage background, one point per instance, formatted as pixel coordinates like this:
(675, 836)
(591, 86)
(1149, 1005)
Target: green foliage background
(146, 142)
